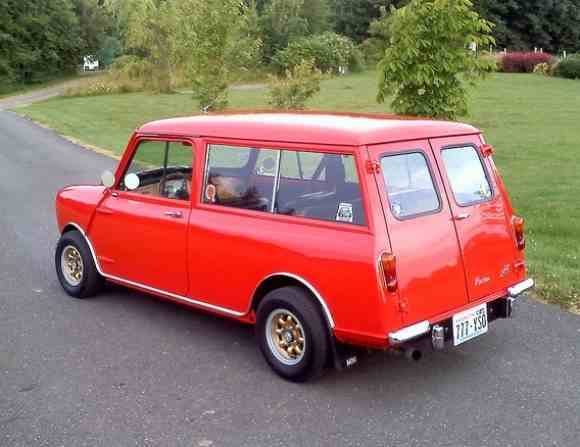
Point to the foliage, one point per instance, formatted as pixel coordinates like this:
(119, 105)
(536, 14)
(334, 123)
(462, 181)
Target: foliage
(524, 62)
(569, 68)
(282, 22)
(544, 69)
(427, 65)
(525, 24)
(94, 24)
(330, 52)
(353, 17)
(39, 39)
(151, 24)
(379, 37)
(291, 91)
(214, 38)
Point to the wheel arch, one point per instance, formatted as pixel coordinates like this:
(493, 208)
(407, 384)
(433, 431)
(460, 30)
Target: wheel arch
(284, 279)
(72, 226)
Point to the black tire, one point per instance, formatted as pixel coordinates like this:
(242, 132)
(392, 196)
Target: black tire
(316, 348)
(91, 282)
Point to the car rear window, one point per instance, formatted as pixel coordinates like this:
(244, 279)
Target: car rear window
(409, 185)
(466, 175)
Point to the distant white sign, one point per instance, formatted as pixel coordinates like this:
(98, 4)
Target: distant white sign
(90, 63)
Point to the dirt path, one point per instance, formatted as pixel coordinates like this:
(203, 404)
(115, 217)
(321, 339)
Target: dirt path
(37, 95)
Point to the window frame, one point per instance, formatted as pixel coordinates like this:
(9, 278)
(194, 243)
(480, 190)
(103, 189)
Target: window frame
(129, 156)
(483, 167)
(433, 182)
(354, 151)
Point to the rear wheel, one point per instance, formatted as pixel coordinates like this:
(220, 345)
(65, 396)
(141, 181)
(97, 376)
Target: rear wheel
(75, 266)
(292, 334)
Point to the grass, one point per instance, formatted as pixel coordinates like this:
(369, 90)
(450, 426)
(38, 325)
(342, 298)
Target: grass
(531, 120)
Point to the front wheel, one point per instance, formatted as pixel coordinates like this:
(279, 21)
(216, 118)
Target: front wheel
(75, 267)
(292, 335)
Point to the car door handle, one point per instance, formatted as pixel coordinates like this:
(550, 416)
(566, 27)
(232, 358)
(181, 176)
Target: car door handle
(462, 216)
(174, 214)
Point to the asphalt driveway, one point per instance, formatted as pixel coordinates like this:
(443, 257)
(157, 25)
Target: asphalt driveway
(125, 369)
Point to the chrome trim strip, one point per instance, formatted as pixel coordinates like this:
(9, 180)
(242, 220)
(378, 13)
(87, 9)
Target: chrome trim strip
(152, 289)
(522, 287)
(409, 333)
(311, 288)
(178, 297)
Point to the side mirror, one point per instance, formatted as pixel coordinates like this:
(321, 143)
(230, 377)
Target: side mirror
(132, 182)
(108, 179)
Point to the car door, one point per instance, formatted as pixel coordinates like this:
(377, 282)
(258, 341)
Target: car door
(481, 215)
(419, 220)
(140, 228)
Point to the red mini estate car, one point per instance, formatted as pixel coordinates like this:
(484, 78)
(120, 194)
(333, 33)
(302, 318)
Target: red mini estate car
(326, 231)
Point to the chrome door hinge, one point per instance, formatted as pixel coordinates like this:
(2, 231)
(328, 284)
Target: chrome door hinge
(373, 167)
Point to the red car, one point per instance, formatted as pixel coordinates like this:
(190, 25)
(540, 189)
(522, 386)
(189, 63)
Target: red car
(325, 231)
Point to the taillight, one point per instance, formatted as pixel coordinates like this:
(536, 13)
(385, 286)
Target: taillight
(389, 265)
(519, 227)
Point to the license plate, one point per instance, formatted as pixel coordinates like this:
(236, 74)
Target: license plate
(469, 324)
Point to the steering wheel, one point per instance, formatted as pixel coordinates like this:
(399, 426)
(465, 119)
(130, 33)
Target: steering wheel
(181, 193)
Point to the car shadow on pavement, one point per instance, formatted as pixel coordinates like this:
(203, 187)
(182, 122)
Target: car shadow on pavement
(233, 341)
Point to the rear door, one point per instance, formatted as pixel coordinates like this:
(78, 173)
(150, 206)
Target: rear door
(429, 267)
(481, 215)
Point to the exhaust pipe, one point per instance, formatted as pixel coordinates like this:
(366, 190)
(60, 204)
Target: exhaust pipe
(413, 354)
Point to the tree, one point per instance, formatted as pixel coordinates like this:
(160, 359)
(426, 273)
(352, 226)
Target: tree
(353, 17)
(150, 29)
(39, 39)
(282, 22)
(525, 24)
(427, 65)
(213, 39)
(94, 24)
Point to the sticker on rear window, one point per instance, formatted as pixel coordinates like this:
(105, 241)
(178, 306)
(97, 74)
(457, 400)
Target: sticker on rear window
(345, 213)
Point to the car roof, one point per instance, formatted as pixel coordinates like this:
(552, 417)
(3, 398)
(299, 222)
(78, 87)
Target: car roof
(308, 127)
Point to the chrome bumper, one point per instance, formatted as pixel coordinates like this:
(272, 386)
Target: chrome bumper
(522, 287)
(409, 333)
(424, 327)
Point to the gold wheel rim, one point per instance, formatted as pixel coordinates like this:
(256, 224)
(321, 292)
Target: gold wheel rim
(285, 336)
(72, 265)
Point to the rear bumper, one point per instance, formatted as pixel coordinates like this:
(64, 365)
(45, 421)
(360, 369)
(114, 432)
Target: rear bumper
(497, 308)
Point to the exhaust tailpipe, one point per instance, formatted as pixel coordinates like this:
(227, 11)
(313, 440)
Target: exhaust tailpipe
(413, 354)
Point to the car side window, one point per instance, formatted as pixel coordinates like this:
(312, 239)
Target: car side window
(466, 175)
(161, 169)
(320, 186)
(240, 177)
(409, 183)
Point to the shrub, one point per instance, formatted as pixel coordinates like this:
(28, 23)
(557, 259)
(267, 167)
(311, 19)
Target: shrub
(569, 68)
(291, 91)
(543, 69)
(524, 62)
(330, 52)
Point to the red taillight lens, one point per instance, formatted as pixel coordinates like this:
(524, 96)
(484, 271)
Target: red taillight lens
(519, 227)
(389, 264)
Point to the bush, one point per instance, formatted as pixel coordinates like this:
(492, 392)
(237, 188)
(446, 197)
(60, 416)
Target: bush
(543, 69)
(330, 52)
(569, 68)
(524, 62)
(291, 91)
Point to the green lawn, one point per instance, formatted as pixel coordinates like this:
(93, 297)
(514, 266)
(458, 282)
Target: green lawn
(533, 121)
